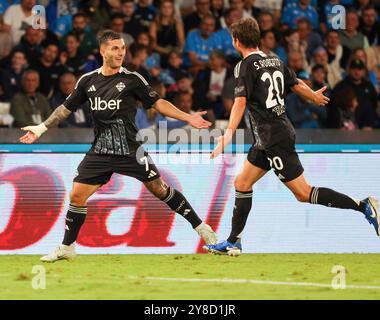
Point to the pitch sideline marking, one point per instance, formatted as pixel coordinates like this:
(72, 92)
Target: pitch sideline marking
(252, 281)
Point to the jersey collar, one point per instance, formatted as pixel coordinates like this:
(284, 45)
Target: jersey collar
(100, 70)
(256, 52)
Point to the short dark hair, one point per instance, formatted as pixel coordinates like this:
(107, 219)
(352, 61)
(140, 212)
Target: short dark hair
(317, 67)
(107, 35)
(74, 35)
(247, 31)
(117, 15)
(264, 33)
(136, 48)
(80, 15)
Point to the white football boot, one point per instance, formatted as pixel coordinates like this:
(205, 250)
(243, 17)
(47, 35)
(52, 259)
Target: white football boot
(207, 234)
(62, 252)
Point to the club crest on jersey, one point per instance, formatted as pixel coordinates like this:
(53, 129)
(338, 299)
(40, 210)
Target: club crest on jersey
(120, 86)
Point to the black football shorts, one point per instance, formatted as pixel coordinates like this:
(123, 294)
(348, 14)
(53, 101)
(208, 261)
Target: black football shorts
(98, 168)
(281, 157)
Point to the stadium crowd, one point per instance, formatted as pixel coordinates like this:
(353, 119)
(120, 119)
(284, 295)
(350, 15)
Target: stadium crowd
(184, 50)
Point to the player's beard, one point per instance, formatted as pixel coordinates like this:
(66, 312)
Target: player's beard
(113, 64)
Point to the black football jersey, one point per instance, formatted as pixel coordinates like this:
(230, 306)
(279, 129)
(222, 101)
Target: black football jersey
(113, 104)
(264, 80)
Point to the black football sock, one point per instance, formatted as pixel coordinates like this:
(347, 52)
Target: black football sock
(243, 204)
(178, 203)
(331, 198)
(74, 219)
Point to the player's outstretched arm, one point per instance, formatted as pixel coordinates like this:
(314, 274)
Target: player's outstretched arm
(237, 113)
(317, 97)
(34, 132)
(168, 109)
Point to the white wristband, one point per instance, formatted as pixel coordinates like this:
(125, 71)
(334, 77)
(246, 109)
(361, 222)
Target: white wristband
(37, 130)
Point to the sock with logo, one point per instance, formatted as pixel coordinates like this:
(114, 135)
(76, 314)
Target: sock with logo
(178, 203)
(331, 198)
(74, 220)
(243, 205)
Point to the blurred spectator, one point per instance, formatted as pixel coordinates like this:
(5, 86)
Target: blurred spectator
(166, 31)
(48, 69)
(5, 40)
(251, 9)
(6, 119)
(369, 27)
(208, 85)
(193, 20)
(11, 75)
(294, 11)
(268, 43)
(117, 25)
(237, 5)
(318, 78)
(31, 44)
(333, 71)
(302, 113)
(144, 13)
(29, 107)
(81, 118)
(87, 39)
(296, 61)
(99, 12)
(184, 84)
(293, 43)
(272, 6)
(311, 39)
(361, 5)
(152, 62)
(351, 37)
(174, 70)
(71, 58)
(217, 10)
(139, 54)
(373, 62)
(224, 38)
(17, 17)
(337, 54)
(131, 24)
(59, 13)
(342, 110)
(365, 113)
(199, 44)
(370, 73)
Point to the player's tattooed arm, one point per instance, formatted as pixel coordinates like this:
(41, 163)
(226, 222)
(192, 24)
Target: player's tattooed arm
(57, 116)
(317, 97)
(34, 132)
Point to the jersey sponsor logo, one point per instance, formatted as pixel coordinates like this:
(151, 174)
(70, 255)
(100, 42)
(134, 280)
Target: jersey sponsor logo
(91, 89)
(281, 177)
(120, 86)
(101, 105)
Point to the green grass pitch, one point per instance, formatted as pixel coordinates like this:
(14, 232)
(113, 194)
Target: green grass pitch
(192, 277)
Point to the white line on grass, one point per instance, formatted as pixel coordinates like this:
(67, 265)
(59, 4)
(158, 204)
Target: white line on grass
(252, 281)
